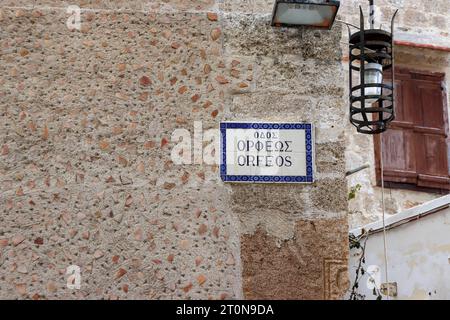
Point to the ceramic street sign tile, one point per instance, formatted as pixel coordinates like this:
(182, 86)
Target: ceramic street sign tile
(267, 152)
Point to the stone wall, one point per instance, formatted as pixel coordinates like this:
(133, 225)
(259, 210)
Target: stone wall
(424, 22)
(366, 207)
(297, 78)
(87, 177)
(420, 22)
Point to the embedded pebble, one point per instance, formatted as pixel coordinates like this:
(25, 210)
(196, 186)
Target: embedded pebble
(18, 239)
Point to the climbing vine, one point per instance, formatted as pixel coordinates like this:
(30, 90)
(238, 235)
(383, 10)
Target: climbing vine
(360, 243)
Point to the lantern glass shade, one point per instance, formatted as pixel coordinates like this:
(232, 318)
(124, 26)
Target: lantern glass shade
(373, 74)
(371, 61)
(312, 13)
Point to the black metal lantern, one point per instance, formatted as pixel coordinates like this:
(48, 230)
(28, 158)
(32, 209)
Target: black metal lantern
(372, 62)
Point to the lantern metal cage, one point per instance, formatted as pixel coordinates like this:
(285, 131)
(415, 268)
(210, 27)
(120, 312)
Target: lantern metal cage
(371, 102)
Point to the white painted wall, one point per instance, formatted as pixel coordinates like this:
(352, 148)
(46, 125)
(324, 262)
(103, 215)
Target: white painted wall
(418, 253)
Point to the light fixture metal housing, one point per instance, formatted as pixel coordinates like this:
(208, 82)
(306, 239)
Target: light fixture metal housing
(311, 13)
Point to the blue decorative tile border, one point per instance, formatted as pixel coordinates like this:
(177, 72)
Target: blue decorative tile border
(309, 178)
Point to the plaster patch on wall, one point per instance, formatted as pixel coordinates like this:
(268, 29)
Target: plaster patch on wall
(306, 267)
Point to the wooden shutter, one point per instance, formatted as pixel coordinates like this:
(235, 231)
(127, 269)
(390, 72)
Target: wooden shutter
(430, 133)
(415, 147)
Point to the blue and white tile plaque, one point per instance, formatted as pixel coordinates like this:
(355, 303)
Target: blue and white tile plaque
(267, 152)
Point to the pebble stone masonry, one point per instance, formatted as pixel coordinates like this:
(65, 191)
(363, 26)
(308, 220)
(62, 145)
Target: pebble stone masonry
(86, 176)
